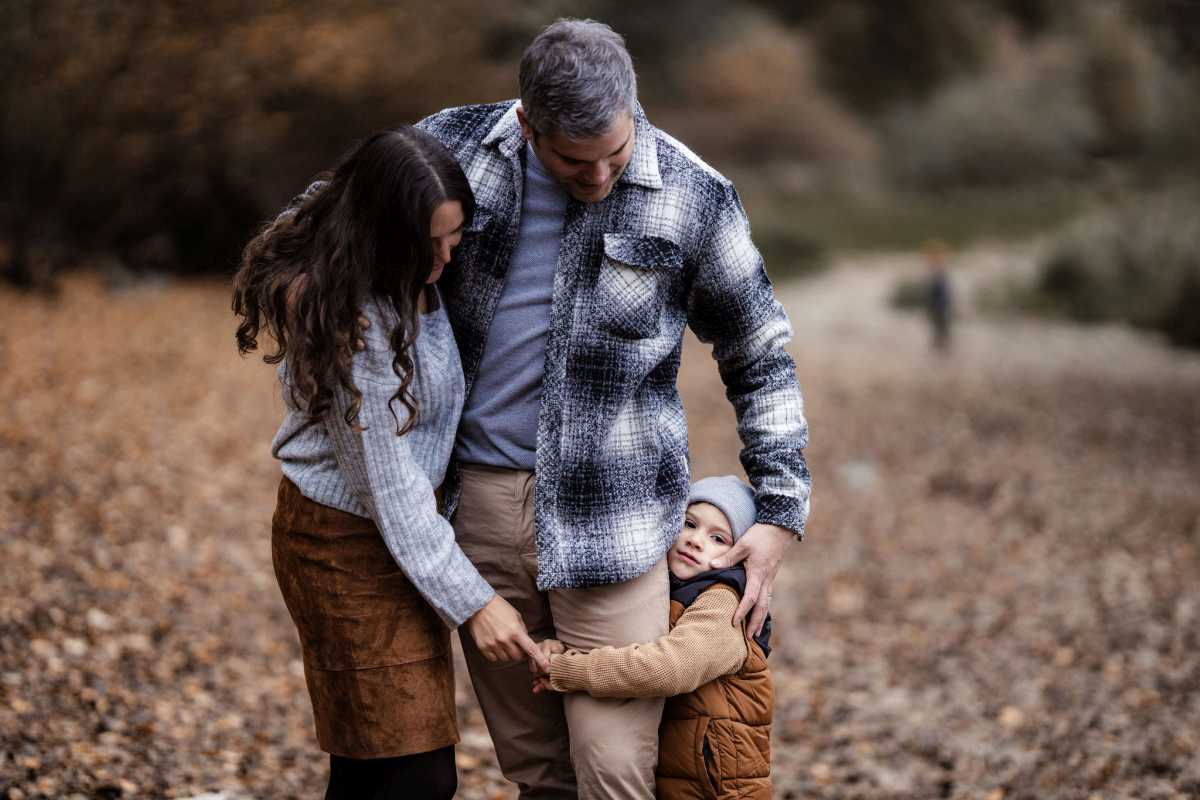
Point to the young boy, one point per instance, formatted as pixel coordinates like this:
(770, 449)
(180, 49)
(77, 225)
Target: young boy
(714, 740)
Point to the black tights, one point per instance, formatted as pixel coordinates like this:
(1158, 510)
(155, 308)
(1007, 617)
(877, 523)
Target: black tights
(423, 776)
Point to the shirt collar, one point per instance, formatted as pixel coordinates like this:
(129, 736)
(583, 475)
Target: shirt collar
(643, 167)
(641, 170)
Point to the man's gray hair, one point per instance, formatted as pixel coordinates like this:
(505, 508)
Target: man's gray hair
(577, 78)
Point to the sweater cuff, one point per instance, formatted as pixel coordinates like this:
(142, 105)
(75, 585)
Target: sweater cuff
(479, 594)
(569, 672)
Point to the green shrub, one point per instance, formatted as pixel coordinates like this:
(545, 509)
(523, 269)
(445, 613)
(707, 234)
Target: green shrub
(995, 130)
(1181, 320)
(1139, 264)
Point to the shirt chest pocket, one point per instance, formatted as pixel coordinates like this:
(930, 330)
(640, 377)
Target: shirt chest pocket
(636, 280)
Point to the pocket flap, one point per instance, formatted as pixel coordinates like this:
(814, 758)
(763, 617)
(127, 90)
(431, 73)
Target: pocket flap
(647, 252)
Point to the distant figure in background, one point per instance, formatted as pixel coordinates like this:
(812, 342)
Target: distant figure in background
(939, 298)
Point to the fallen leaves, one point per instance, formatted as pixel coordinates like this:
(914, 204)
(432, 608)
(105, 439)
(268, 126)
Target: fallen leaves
(979, 608)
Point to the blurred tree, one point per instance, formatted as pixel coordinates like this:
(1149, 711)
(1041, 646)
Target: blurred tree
(1033, 16)
(664, 35)
(660, 36)
(1121, 70)
(878, 52)
(753, 96)
(163, 133)
(1175, 23)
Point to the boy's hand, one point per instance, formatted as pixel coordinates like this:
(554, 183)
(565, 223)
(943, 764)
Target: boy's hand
(552, 647)
(542, 684)
(541, 675)
(762, 548)
(547, 647)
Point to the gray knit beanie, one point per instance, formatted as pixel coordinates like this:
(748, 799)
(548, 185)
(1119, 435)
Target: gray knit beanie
(732, 496)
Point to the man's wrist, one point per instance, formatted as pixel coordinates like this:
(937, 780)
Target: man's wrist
(782, 511)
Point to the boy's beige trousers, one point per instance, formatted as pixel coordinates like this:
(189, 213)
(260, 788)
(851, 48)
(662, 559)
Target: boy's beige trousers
(612, 744)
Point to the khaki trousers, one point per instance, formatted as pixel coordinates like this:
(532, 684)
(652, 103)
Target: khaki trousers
(612, 744)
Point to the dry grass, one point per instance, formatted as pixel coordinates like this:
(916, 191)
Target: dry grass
(998, 598)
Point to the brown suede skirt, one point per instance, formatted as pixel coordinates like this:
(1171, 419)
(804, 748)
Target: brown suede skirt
(376, 655)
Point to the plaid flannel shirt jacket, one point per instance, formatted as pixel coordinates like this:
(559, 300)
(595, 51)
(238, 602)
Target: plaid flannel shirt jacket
(669, 246)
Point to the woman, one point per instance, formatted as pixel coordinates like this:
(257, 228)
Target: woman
(369, 570)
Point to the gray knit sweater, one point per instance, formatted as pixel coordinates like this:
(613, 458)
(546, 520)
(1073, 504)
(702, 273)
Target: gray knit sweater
(387, 478)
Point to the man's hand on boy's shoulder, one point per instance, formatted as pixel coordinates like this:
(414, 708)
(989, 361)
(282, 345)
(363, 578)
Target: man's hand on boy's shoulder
(761, 548)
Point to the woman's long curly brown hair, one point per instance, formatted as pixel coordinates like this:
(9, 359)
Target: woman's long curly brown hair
(364, 233)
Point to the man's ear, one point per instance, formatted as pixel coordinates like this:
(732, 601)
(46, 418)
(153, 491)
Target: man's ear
(526, 128)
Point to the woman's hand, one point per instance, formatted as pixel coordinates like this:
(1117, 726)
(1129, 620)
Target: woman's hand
(499, 632)
(541, 676)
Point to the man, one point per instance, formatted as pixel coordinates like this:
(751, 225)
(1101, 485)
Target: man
(596, 239)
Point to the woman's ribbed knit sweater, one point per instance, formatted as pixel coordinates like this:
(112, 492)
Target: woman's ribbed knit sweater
(386, 478)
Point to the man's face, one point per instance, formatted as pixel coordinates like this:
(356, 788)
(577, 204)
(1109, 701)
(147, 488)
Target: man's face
(587, 169)
(705, 536)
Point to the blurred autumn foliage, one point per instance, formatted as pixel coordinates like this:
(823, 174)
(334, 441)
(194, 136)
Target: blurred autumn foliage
(1000, 594)
(165, 132)
(155, 137)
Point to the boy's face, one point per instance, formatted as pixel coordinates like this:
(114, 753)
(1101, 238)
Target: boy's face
(706, 534)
